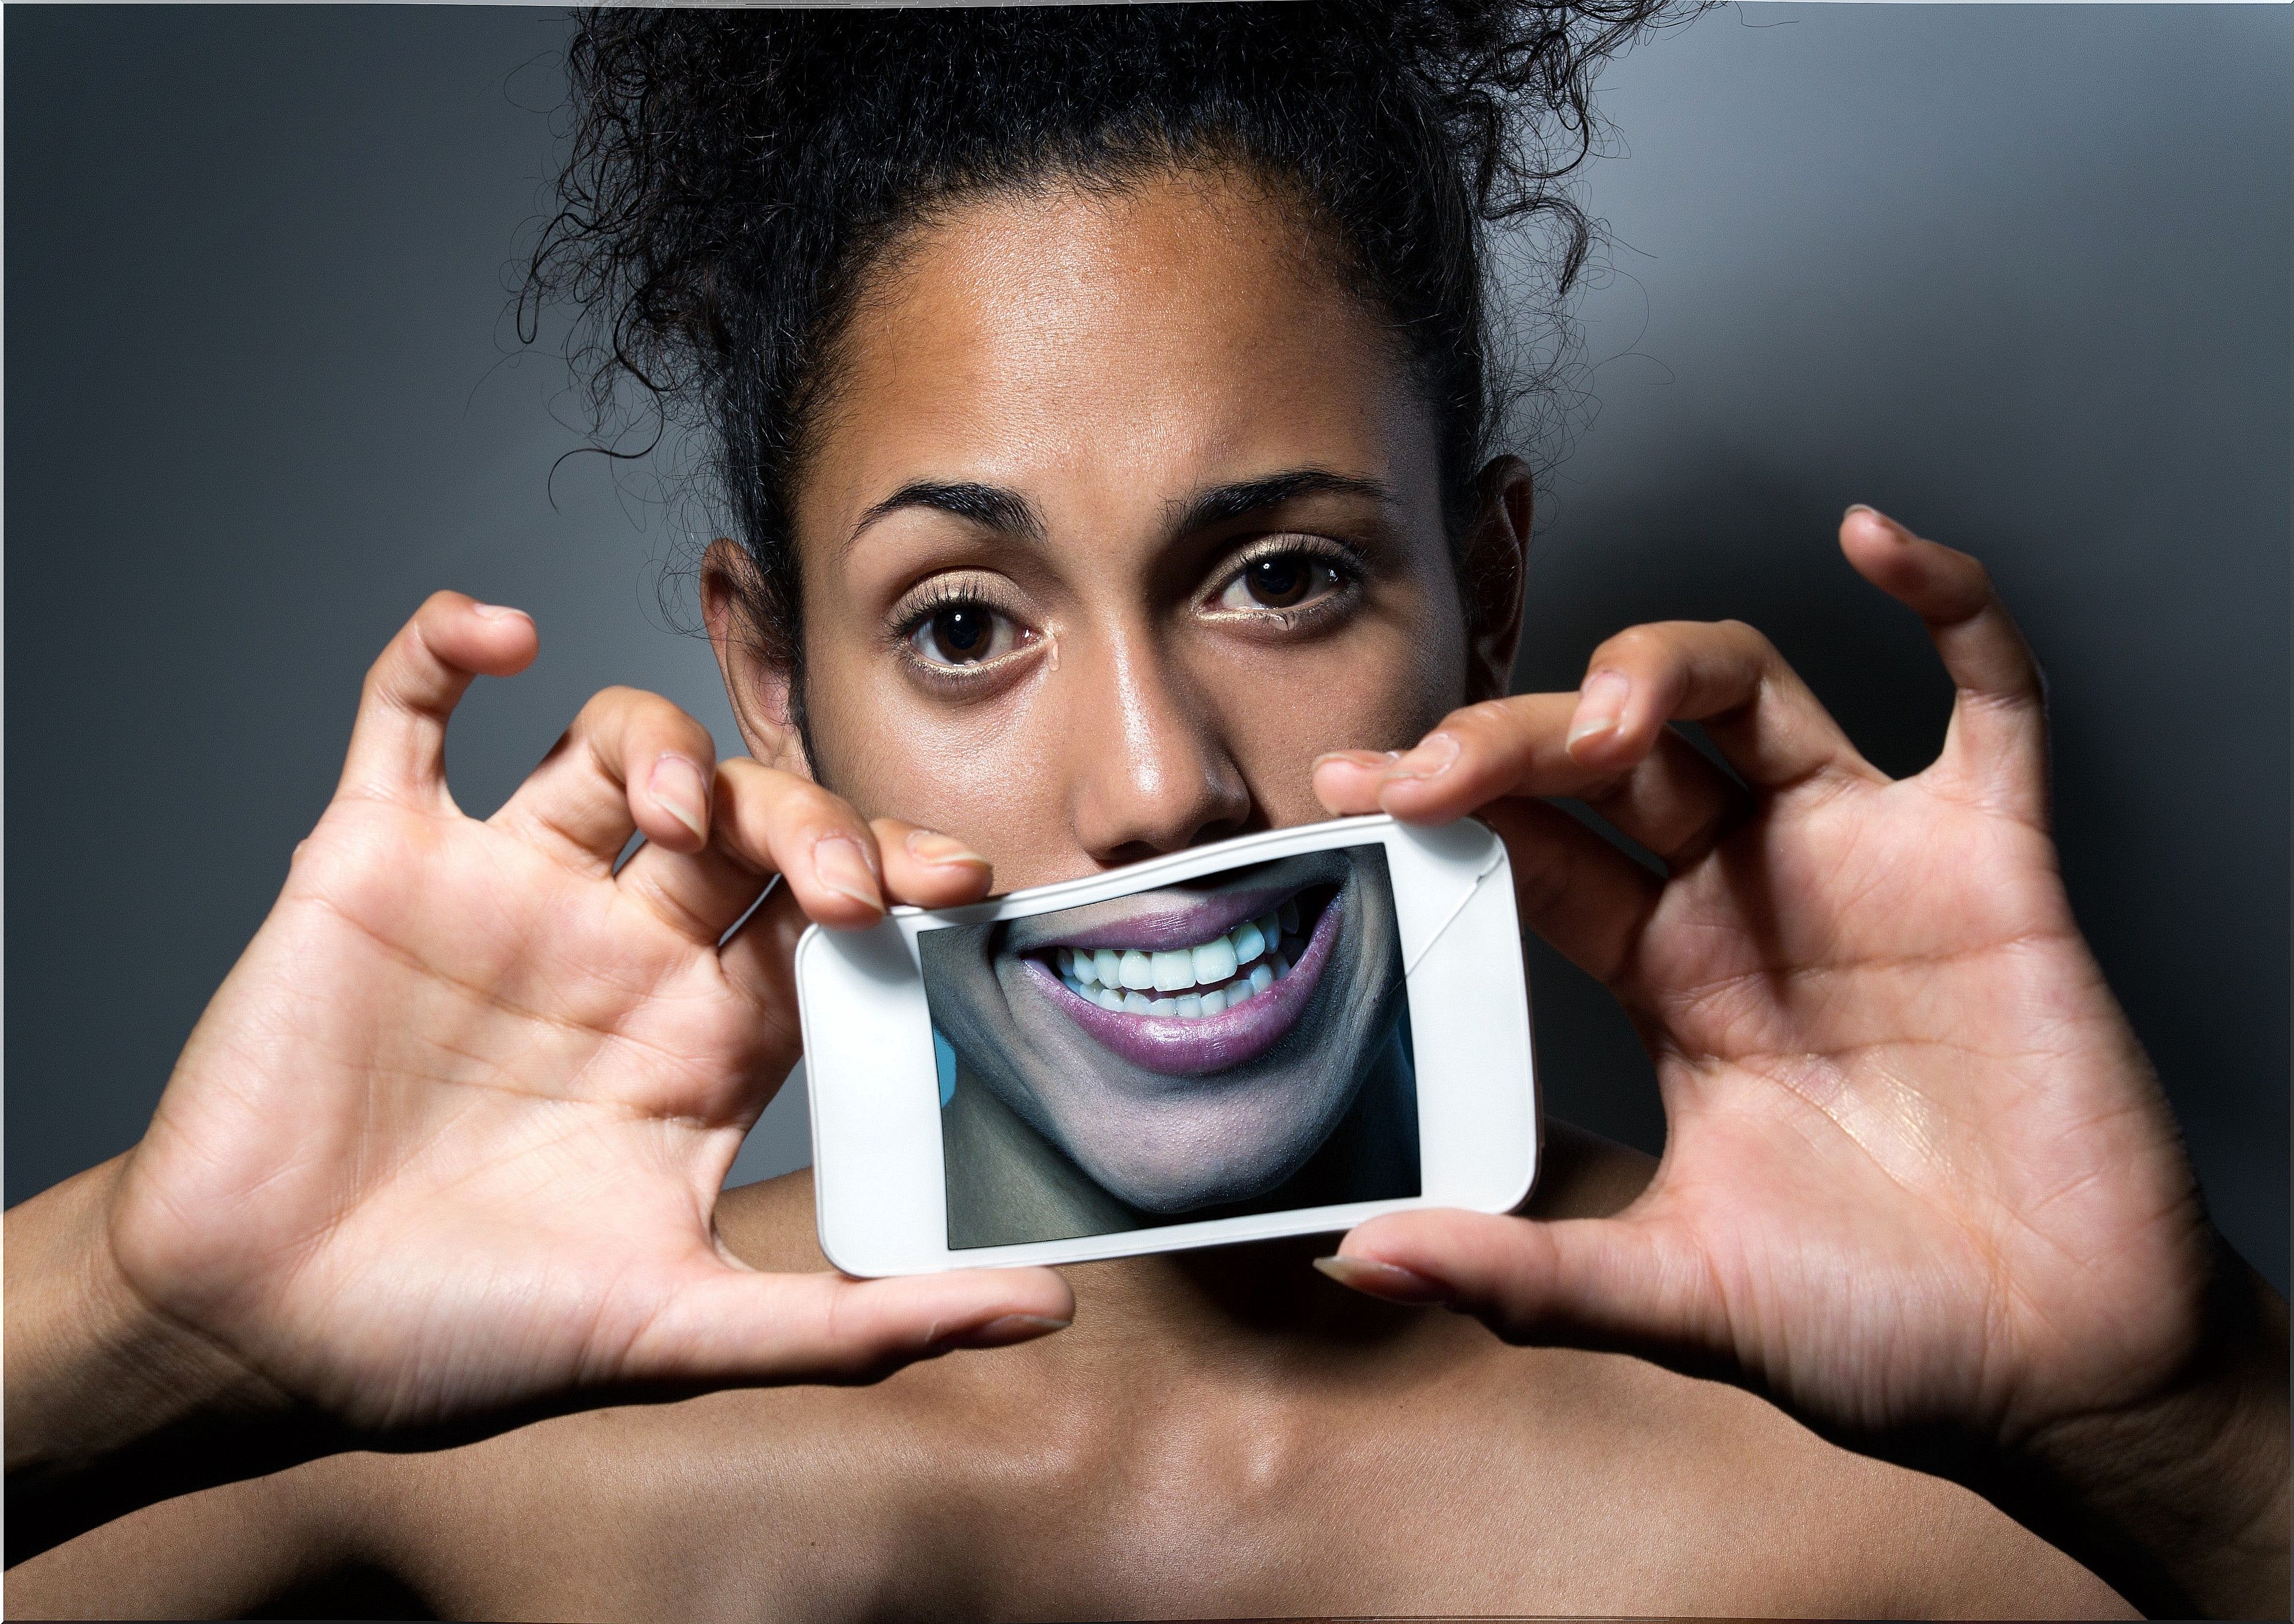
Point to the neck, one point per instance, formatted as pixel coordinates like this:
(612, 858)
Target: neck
(1259, 1302)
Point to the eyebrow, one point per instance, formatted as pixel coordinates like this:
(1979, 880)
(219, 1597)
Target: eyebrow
(1221, 504)
(989, 506)
(995, 508)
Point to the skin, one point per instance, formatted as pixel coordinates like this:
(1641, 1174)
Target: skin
(1920, 1187)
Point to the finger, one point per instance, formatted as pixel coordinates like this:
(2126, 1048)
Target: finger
(765, 823)
(398, 744)
(1670, 799)
(927, 868)
(737, 1325)
(706, 893)
(1998, 736)
(1572, 888)
(759, 960)
(1674, 802)
(778, 823)
(630, 762)
(1755, 709)
(1617, 1284)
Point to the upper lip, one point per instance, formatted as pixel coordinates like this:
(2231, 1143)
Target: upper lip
(1155, 920)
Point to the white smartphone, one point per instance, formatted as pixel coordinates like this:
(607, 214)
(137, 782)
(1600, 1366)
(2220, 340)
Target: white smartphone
(1280, 1034)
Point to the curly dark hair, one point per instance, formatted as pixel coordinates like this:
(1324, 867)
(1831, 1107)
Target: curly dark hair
(735, 175)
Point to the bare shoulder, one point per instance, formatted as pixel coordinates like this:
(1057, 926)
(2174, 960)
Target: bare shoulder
(285, 1541)
(771, 1225)
(1731, 1505)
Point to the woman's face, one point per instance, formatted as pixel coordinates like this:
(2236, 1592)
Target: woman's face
(1122, 511)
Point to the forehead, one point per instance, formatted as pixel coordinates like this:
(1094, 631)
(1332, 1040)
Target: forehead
(1173, 333)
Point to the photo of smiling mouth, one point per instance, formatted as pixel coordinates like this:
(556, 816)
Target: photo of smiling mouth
(1196, 984)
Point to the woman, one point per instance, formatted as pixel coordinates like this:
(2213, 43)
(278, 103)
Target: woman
(1047, 355)
(1160, 1057)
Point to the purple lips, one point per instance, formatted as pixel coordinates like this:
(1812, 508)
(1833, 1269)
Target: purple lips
(1179, 1047)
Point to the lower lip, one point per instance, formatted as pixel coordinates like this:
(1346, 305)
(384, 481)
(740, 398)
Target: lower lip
(1181, 1048)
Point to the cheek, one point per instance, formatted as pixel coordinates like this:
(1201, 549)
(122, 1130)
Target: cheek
(1377, 686)
(983, 773)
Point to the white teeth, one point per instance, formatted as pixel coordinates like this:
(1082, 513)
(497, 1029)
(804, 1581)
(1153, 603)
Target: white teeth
(1241, 964)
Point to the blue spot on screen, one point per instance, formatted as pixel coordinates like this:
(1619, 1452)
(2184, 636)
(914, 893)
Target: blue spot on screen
(946, 1056)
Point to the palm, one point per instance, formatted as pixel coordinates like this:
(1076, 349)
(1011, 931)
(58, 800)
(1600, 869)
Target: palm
(524, 1074)
(1893, 1071)
(450, 1135)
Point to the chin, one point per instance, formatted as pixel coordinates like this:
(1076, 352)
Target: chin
(1204, 1151)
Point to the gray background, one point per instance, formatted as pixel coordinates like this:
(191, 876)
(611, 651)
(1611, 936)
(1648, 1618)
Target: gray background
(2018, 274)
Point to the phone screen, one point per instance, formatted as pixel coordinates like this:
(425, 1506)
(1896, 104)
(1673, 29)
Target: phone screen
(1239, 1043)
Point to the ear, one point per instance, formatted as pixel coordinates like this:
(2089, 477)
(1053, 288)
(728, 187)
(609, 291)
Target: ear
(756, 677)
(1494, 574)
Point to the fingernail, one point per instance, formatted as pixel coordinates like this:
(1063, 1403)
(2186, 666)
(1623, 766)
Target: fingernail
(1001, 1332)
(839, 863)
(1431, 759)
(499, 612)
(1600, 704)
(1391, 1281)
(679, 789)
(1366, 759)
(1856, 508)
(928, 846)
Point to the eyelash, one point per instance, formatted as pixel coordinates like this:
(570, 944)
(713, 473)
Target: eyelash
(1341, 560)
(936, 599)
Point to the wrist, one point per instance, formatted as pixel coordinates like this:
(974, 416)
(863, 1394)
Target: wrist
(92, 1367)
(2179, 1496)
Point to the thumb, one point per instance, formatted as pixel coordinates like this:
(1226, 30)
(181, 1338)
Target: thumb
(731, 1325)
(1617, 1284)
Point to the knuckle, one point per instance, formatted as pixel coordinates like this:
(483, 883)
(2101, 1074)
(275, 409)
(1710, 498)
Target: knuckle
(1475, 726)
(604, 705)
(1634, 646)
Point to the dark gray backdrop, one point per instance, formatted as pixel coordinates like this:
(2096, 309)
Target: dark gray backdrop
(2018, 274)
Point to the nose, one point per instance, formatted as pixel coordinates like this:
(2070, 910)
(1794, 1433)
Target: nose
(1161, 779)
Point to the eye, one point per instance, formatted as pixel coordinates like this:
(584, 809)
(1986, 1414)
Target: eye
(1287, 579)
(962, 631)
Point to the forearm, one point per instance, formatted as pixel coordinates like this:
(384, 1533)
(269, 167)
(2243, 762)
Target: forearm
(109, 1405)
(2180, 1502)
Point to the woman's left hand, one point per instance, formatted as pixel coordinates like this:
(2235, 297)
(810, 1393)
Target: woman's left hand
(1920, 1183)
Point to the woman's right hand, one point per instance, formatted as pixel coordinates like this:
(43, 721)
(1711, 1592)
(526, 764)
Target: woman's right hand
(449, 1138)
